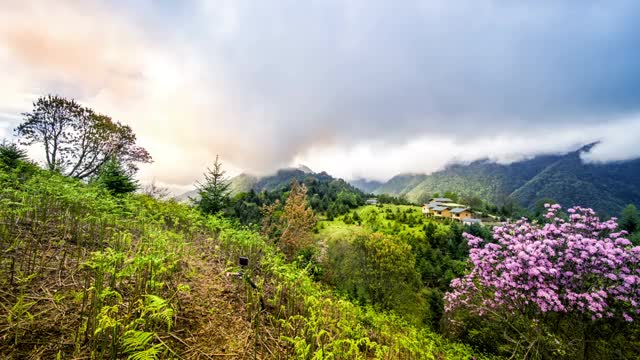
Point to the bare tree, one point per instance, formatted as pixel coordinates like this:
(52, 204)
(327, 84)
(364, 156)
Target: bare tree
(77, 141)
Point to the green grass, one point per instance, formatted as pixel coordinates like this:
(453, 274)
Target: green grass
(374, 218)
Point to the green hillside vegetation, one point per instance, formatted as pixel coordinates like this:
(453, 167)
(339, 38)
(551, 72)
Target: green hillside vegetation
(400, 184)
(89, 274)
(605, 187)
(424, 255)
(242, 183)
(327, 196)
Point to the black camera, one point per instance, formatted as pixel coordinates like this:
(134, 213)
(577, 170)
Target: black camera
(244, 261)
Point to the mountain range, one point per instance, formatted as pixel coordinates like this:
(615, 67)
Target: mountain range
(607, 188)
(278, 181)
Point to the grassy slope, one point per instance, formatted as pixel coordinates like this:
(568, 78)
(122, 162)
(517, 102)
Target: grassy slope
(337, 228)
(88, 275)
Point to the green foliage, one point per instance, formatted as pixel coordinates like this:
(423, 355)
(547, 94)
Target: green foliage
(115, 178)
(214, 192)
(11, 155)
(375, 269)
(630, 220)
(326, 195)
(437, 248)
(121, 261)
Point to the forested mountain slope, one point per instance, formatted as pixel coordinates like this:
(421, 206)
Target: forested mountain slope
(565, 178)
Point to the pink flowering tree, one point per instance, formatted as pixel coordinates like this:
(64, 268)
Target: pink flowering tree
(577, 267)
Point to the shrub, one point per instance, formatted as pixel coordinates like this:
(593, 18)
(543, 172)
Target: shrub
(578, 271)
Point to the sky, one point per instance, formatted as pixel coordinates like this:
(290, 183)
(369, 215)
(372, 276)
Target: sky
(357, 88)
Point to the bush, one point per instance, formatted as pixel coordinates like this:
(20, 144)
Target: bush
(553, 287)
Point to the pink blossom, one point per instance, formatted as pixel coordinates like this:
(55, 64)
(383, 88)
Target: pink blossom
(580, 266)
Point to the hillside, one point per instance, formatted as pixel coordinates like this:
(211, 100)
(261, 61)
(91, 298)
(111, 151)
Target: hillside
(565, 178)
(279, 181)
(92, 275)
(400, 184)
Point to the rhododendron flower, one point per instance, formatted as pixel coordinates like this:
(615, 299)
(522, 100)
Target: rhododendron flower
(581, 265)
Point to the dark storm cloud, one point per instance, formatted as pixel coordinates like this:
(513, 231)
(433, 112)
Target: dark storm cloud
(391, 69)
(353, 87)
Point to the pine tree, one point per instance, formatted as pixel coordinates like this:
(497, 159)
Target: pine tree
(11, 155)
(115, 178)
(214, 192)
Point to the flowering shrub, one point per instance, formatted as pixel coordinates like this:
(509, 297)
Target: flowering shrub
(576, 266)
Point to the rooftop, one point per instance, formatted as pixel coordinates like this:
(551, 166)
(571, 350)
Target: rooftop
(439, 208)
(458, 210)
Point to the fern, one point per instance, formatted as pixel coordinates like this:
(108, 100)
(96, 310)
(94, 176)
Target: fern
(137, 345)
(134, 340)
(159, 310)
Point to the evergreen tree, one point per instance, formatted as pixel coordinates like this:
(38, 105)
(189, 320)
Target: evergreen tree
(11, 155)
(214, 192)
(115, 178)
(630, 220)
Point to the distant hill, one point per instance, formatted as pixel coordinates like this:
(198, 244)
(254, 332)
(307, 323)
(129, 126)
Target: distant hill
(281, 180)
(368, 186)
(565, 178)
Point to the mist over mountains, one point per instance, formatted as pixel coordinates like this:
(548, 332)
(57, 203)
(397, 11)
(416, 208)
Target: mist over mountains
(568, 180)
(606, 187)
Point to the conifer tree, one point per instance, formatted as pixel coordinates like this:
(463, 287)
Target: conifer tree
(115, 178)
(11, 155)
(214, 192)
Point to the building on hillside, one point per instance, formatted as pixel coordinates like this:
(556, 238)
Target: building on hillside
(441, 211)
(427, 208)
(371, 201)
(461, 213)
(470, 221)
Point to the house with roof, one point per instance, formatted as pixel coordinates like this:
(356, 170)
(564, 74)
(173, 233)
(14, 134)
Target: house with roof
(441, 211)
(448, 210)
(371, 201)
(428, 208)
(461, 213)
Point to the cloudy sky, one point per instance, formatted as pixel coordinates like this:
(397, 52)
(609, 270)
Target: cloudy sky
(359, 88)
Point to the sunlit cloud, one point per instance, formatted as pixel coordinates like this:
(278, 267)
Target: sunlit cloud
(359, 89)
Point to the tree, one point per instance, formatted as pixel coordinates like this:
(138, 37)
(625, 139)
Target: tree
(577, 275)
(77, 141)
(115, 178)
(451, 195)
(377, 269)
(630, 220)
(11, 155)
(214, 192)
(298, 222)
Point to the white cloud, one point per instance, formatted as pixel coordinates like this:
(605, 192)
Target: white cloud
(426, 154)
